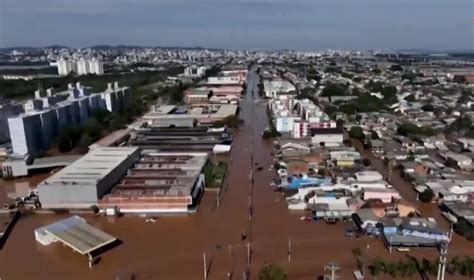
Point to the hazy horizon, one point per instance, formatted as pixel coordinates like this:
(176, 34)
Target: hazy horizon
(241, 24)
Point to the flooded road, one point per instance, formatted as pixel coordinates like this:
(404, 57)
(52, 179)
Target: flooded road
(173, 247)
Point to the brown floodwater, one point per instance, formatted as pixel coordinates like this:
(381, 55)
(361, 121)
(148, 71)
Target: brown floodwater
(173, 247)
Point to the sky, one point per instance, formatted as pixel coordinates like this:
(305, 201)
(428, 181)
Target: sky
(241, 24)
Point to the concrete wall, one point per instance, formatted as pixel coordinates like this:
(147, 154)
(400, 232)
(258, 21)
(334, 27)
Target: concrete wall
(67, 195)
(70, 195)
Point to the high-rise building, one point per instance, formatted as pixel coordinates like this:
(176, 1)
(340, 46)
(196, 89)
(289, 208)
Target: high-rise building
(82, 67)
(96, 66)
(34, 131)
(26, 134)
(65, 67)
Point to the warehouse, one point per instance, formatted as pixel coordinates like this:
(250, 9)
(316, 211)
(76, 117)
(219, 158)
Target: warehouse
(75, 233)
(159, 183)
(82, 183)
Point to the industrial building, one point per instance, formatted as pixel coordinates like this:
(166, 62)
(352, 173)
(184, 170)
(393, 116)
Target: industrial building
(82, 183)
(34, 130)
(214, 94)
(159, 183)
(202, 113)
(180, 138)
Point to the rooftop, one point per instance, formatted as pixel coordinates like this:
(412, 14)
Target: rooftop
(92, 167)
(76, 233)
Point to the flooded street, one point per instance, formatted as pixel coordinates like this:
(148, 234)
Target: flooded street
(173, 247)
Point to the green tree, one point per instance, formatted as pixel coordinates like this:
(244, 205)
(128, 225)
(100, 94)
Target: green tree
(101, 115)
(396, 68)
(357, 133)
(410, 268)
(84, 143)
(427, 108)
(454, 265)
(93, 128)
(410, 129)
(68, 137)
(272, 272)
(374, 135)
(376, 267)
(426, 196)
(410, 98)
(334, 90)
(357, 252)
(461, 123)
(117, 122)
(389, 94)
(391, 269)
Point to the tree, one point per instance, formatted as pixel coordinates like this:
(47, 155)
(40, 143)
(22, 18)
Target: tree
(396, 68)
(272, 272)
(339, 122)
(410, 98)
(461, 123)
(410, 268)
(357, 133)
(84, 143)
(374, 135)
(410, 129)
(389, 94)
(334, 90)
(376, 267)
(391, 269)
(357, 252)
(426, 196)
(454, 266)
(95, 209)
(427, 108)
(376, 71)
(101, 115)
(117, 122)
(68, 137)
(93, 128)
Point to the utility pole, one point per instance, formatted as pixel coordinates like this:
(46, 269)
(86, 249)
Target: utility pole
(231, 260)
(248, 255)
(443, 255)
(289, 250)
(333, 268)
(205, 266)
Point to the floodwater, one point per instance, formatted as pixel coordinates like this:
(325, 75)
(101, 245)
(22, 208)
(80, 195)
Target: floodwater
(174, 247)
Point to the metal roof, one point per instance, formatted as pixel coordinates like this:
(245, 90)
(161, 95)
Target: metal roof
(92, 167)
(76, 233)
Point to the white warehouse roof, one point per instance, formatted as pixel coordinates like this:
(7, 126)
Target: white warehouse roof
(92, 167)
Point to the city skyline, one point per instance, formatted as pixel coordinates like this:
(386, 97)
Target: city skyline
(242, 24)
